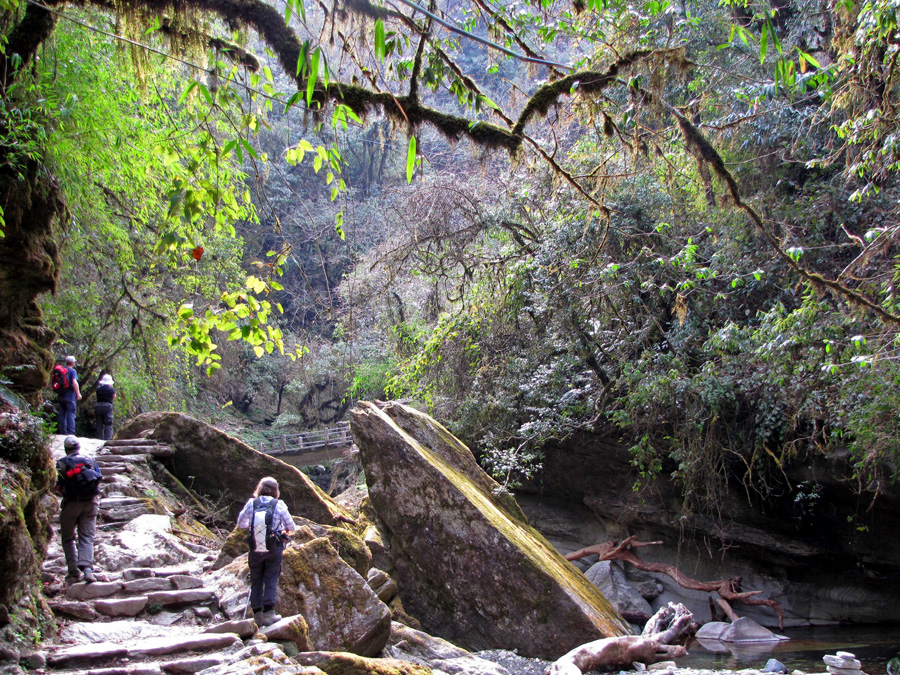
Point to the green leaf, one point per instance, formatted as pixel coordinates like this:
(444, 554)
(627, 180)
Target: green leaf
(379, 40)
(410, 159)
(313, 74)
(187, 91)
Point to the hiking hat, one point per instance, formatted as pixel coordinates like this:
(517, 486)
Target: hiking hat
(71, 443)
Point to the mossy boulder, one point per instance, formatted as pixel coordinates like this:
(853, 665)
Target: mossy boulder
(342, 611)
(212, 462)
(336, 663)
(468, 565)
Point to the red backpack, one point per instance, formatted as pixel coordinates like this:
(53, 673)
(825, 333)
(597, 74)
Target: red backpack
(59, 378)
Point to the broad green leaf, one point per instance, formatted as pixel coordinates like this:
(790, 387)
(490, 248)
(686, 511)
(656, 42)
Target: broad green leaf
(379, 40)
(313, 74)
(410, 159)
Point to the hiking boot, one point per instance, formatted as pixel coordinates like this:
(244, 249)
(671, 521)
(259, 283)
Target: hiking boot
(88, 575)
(257, 617)
(268, 618)
(73, 576)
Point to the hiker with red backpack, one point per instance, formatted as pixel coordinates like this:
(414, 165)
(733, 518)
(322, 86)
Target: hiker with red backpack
(78, 480)
(64, 381)
(268, 520)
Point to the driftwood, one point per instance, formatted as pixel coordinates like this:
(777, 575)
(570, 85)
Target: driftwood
(667, 625)
(729, 589)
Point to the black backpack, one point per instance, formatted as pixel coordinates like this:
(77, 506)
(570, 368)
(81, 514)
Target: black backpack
(78, 477)
(263, 514)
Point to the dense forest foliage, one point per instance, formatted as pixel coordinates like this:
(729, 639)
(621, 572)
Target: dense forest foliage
(669, 222)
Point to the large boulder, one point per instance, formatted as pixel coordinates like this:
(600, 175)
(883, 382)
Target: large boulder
(212, 462)
(341, 611)
(468, 565)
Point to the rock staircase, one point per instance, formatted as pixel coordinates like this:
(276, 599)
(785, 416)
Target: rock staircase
(150, 610)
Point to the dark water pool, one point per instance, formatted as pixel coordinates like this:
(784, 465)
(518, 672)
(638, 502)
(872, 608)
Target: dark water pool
(874, 646)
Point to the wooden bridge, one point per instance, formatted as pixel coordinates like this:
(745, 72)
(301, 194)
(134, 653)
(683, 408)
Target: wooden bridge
(336, 439)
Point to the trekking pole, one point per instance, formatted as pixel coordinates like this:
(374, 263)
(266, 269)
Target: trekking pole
(247, 604)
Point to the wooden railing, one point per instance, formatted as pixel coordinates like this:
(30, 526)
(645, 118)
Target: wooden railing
(308, 441)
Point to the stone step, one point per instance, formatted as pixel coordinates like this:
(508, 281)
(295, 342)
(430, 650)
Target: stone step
(84, 655)
(103, 460)
(147, 585)
(180, 597)
(125, 512)
(125, 442)
(120, 500)
(193, 665)
(154, 450)
(121, 606)
(98, 589)
(107, 469)
(107, 652)
(193, 643)
(136, 669)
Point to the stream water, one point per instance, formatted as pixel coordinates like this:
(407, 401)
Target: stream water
(874, 646)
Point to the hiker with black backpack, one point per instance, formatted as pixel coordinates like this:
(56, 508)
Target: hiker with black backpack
(64, 381)
(268, 521)
(78, 480)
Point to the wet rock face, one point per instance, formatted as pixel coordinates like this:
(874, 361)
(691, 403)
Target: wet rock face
(29, 266)
(467, 565)
(26, 474)
(212, 462)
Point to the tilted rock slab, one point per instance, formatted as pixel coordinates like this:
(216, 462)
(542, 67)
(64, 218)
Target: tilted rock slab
(468, 565)
(213, 462)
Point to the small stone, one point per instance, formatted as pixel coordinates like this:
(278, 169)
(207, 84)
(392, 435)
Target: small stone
(842, 662)
(662, 665)
(775, 666)
(137, 573)
(79, 610)
(845, 655)
(843, 671)
(203, 612)
(33, 660)
(4, 615)
(8, 653)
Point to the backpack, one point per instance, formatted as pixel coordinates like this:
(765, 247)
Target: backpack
(59, 378)
(262, 537)
(79, 480)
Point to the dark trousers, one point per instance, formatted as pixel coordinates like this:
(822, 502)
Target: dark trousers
(78, 520)
(66, 418)
(265, 568)
(103, 418)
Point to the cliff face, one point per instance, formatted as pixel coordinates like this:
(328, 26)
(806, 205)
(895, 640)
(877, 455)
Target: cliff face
(27, 475)
(29, 266)
(814, 543)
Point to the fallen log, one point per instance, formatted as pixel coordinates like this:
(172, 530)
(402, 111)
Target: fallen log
(670, 623)
(729, 589)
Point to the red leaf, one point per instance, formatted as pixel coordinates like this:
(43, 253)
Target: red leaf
(197, 253)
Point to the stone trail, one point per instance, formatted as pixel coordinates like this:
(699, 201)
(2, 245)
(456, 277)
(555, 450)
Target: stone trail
(150, 611)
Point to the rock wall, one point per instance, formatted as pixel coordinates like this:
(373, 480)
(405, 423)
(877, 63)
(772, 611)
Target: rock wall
(833, 558)
(26, 475)
(29, 266)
